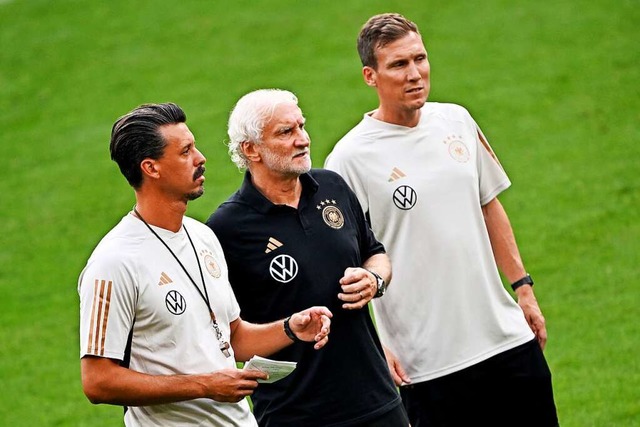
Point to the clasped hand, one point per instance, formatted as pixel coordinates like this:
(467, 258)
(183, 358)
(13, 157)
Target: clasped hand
(358, 288)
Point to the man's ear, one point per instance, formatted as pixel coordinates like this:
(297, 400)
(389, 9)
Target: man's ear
(150, 168)
(369, 75)
(250, 151)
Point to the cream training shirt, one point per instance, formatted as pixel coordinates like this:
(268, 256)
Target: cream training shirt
(423, 188)
(132, 276)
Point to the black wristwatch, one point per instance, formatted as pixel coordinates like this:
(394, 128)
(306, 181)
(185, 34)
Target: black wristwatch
(382, 286)
(526, 280)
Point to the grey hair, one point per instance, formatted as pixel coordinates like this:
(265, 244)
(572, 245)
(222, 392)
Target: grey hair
(248, 118)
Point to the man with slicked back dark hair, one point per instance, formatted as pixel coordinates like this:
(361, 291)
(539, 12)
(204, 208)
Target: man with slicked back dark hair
(160, 327)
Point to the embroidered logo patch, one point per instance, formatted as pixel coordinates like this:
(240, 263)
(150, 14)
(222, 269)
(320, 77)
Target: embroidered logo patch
(213, 268)
(175, 303)
(405, 197)
(283, 268)
(331, 214)
(457, 150)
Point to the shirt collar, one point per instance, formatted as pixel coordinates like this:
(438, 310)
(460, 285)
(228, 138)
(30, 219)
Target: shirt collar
(252, 196)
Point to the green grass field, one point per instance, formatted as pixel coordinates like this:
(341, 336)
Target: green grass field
(553, 84)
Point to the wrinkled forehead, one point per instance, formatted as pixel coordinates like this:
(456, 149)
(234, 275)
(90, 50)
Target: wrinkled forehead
(285, 114)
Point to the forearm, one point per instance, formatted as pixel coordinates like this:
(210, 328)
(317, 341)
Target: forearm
(311, 325)
(104, 381)
(510, 264)
(249, 339)
(503, 242)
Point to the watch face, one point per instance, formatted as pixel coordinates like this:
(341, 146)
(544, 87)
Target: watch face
(381, 287)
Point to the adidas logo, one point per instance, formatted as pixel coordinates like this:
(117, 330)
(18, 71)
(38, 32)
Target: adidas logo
(396, 174)
(272, 245)
(164, 279)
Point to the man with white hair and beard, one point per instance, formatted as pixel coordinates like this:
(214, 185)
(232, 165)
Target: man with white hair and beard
(294, 236)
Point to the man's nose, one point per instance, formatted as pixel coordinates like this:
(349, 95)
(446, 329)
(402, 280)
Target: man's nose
(413, 73)
(303, 138)
(200, 158)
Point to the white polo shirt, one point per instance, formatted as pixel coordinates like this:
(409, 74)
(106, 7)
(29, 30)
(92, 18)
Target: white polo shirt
(423, 188)
(132, 276)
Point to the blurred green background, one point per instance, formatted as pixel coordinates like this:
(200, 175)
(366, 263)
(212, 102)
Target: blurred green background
(553, 84)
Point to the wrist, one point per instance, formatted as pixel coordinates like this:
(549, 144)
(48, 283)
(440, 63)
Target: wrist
(287, 330)
(524, 293)
(381, 285)
(526, 280)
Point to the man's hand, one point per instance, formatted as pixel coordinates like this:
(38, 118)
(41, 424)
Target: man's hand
(312, 324)
(529, 305)
(397, 371)
(231, 385)
(359, 287)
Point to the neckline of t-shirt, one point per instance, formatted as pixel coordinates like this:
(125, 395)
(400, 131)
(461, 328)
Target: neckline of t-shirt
(386, 125)
(163, 232)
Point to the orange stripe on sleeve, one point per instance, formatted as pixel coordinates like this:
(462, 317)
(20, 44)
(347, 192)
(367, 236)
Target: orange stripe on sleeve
(98, 326)
(107, 304)
(93, 316)
(487, 147)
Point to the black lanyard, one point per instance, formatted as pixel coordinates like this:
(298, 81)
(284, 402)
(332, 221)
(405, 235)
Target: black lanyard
(224, 346)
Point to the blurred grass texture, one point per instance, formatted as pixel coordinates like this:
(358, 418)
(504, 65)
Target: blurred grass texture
(553, 84)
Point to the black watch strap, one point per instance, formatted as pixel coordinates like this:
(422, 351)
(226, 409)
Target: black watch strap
(289, 332)
(526, 280)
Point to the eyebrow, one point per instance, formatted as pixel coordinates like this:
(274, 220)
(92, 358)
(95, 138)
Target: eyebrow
(281, 127)
(187, 144)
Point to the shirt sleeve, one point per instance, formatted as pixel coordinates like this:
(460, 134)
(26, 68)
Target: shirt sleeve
(107, 308)
(492, 178)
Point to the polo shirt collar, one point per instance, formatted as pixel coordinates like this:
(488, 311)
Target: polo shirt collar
(252, 196)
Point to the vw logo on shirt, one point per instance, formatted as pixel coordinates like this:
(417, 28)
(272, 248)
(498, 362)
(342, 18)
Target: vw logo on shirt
(405, 197)
(283, 268)
(175, 303)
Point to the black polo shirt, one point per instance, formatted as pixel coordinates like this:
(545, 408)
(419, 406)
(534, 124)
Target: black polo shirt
(282, 260)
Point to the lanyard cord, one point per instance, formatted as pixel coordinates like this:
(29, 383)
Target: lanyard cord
(224, 346)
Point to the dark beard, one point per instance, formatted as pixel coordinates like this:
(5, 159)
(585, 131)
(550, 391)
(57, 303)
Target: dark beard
(197, 174)
(194, 195)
